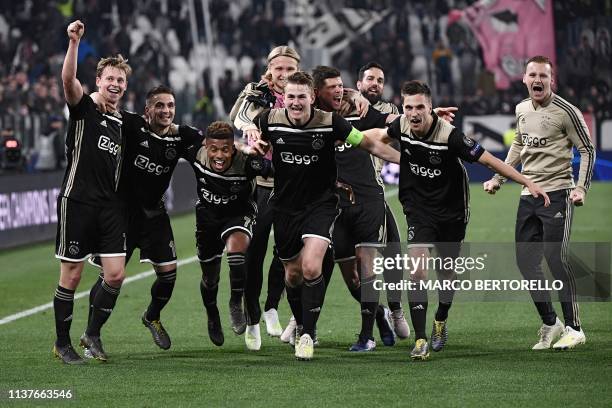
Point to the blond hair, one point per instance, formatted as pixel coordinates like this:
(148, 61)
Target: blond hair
(116, 62)
(283, 51)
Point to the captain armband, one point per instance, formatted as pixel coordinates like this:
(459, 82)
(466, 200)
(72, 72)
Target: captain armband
(355, 137)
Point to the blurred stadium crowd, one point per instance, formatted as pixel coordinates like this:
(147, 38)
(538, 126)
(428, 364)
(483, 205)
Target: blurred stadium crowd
(166, 44)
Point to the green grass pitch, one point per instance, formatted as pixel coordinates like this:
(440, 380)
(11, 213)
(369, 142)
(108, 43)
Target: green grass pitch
(486, 362)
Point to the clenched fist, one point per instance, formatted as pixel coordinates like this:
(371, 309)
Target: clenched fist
(75, 30)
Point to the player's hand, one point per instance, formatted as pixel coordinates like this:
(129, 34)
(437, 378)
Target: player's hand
(259, 147)
(491, 186)
(361, 104)
(75, 30)
(446, 113)
(251, 133)
(537, 191)
(577, 197)
(100, 104)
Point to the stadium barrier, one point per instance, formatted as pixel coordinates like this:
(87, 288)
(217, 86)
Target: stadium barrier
(28, 204)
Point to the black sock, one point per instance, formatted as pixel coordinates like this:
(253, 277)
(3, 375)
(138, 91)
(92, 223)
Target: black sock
(161, 291)
(63, 304)
(394, 297)
(92, 294)
(313, 293)
(276, 284)
(356, 293)
(236, 261)
(209, 286)
(103, 304)
(369, 306)
(294, 298)
(417, 301)
(442, 312)
(327, 266)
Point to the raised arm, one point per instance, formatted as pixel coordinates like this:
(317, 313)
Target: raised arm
(73, 91)
(510, 172)
(373, 141)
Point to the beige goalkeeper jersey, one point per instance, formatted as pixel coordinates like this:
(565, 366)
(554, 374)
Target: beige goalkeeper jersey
(545, 136)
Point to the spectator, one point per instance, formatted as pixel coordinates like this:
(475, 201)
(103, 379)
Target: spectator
(49, 146)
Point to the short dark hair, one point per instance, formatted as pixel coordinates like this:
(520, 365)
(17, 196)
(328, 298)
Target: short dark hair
(219, 130)
(160, 89)
(369, 65)
(539, 59)
(323, 72)
(301, 78)
(416, 88)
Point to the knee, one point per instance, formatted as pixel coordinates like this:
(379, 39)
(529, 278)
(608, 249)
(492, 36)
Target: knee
(293, 278)
(70, 274)
(71, 280)
(210, 273)
(114, 277)
(311, 268)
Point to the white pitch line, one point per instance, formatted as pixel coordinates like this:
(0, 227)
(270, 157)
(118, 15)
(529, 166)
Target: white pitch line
(84, 293)
(142, 275)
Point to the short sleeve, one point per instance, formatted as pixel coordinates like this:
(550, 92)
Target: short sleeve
(466, 148)
(342, 127)
(394, 129)
(261, 121)
(79, 110)
(374, 119)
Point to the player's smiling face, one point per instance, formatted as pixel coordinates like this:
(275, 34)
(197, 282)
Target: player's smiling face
(417, 109)
(371, 86)
(112, 84)
(160, 111)
(330, 94)
(298, 101)
(220, 153)
(538, 79)
(281, 68)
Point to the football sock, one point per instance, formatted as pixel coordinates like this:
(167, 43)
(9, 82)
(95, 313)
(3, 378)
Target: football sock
(92, 294)
(161, 291)
(63, 304)
(442, 312)
(313, 293)
(369, 307)
(209, 286)
(236, 261)
(103, 304)
(294, 298)
(417, 301)
(276, 284)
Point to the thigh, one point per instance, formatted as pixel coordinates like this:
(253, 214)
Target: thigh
(343, 240)
(242, 223)
(319, 221)
(288, 235)
(76, 228)
(370, 225)
(209, 244)
(156, 241)
(528, 225)
(556, 219)
(393, 234)
(112, 227)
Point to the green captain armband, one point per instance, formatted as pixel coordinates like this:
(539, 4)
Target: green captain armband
(355, 137)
